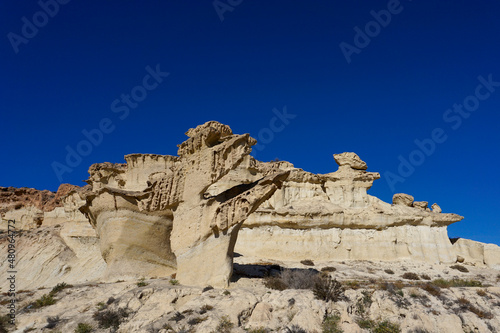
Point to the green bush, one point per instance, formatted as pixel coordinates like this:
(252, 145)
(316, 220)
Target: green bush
(331, 324)
(457, 283)
(59, 287)
(45, 300)
(387, 327)
(225, 325)
(110, 318)
(83, 328)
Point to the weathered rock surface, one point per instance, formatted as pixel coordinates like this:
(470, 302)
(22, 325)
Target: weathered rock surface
(155, 212)
(32, 208)
(478, 253)
(50, 255)
(402, 199)
(332, 217)
(12, 198)
(420, 204)
(350, 159)
(435, 208)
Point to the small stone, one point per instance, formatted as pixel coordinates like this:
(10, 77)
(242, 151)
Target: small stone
(435, 208)
(402, 199)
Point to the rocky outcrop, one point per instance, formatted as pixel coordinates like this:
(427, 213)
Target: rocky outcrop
(12, 198)
(331, 217)
(32, 208)
(477, 253)
(47, 256)
(155, 213)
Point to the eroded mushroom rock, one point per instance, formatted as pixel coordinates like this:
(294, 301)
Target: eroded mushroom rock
(154, 215)
(350, 159)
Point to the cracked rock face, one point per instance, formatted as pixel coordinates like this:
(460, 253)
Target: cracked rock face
(153, 215)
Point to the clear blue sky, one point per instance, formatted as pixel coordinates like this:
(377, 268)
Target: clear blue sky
(348, 83)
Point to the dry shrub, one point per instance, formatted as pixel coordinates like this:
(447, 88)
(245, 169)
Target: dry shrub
(460, 268)
(292, 279)
(307, 262)
(328, 269)
(410, 276)
(431, 289)
(328, 289)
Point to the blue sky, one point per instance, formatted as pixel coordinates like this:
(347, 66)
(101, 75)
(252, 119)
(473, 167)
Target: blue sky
(413, 87)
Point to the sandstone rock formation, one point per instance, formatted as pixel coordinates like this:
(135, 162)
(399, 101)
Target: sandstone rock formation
(477, 253)
(331, 217)
(153, 215)
(157, 215)
(33, 208)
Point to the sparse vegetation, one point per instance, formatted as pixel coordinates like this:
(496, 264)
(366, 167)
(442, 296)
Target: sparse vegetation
(226, 293)
(331, 324)
(460, 268)
(328, 269)
(410, 276)
(110, 318)
(431, 289)
(101, 306)
(174, 282)
(225, 325)
(389, 271)
(52, 322)
(352, 284)
(465, 305)
(457, 283)
(292, 279)
(4, 322)
(207, 288)
(380, 327)
(295, 329)
(307, 262)
(141, 283)
(59, 287)
(259, 330)
(196, 320)
(363, 303)
(387, 327)
(425, 277)
(205, 308)
(328, 289)
(177, 317)
(84, 328)
(45, 300)
(481, 292)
